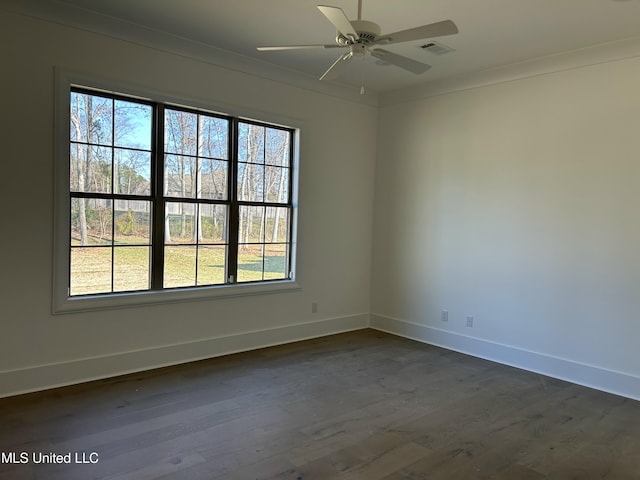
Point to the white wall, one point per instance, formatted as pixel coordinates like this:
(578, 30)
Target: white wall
(38, 349)
(514, 202)
(517, 203)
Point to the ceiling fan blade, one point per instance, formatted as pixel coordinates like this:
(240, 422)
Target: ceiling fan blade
(339, 20)
(335, 69)
(406, 63)
(297, 47)
(438, 29)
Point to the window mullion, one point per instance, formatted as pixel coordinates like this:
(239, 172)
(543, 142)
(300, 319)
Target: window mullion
(234, 211)
(158, 226)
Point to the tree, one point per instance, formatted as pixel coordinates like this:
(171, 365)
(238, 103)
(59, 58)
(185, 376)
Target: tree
(87, 114)
(181, 147)
(104, 131)
(283, 153)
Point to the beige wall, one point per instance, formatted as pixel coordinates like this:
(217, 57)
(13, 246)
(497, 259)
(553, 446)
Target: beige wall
(517, 203)
(38, 349)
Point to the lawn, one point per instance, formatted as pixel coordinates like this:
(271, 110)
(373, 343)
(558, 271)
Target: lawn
(185, 266)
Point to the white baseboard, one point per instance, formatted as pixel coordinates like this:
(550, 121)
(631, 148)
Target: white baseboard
(30, 379)
(25, 380)
(599, 378)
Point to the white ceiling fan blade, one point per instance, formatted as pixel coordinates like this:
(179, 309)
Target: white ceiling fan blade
(337, 67)
(406, 63)
(339, 20)
(438, 29)
(296, 47)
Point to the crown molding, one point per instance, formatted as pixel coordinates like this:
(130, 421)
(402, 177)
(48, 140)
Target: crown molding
(584, 57)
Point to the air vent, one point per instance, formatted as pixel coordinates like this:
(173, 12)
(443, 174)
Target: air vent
(437, 48)
(366, 37)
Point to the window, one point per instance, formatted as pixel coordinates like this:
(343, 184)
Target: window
(163, 197)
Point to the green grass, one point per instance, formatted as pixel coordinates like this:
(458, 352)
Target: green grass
(91, 267)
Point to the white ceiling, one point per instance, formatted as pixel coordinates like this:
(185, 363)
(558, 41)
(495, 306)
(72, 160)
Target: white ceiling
(493, 33)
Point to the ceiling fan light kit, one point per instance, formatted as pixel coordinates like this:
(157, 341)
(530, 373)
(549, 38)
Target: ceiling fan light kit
(362, 37)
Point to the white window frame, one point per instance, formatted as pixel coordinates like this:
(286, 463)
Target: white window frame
(61, 301)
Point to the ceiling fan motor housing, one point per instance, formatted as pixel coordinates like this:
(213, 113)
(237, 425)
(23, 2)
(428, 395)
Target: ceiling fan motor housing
(367, 33)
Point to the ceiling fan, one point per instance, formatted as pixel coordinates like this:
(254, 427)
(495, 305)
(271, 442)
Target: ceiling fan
(362, 37)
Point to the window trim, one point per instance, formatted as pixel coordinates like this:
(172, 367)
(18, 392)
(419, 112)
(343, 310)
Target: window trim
(61, 301)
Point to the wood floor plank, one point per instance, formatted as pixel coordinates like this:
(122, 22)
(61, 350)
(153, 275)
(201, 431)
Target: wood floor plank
(361, 405)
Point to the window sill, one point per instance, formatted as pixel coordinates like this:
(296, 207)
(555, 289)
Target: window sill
(148, 298)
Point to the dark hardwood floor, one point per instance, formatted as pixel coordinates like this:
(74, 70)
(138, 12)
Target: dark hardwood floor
(361, 405)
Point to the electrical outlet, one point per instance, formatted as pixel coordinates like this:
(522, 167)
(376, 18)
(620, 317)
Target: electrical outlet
(314, 307)
(444, 316)
(469, 321)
